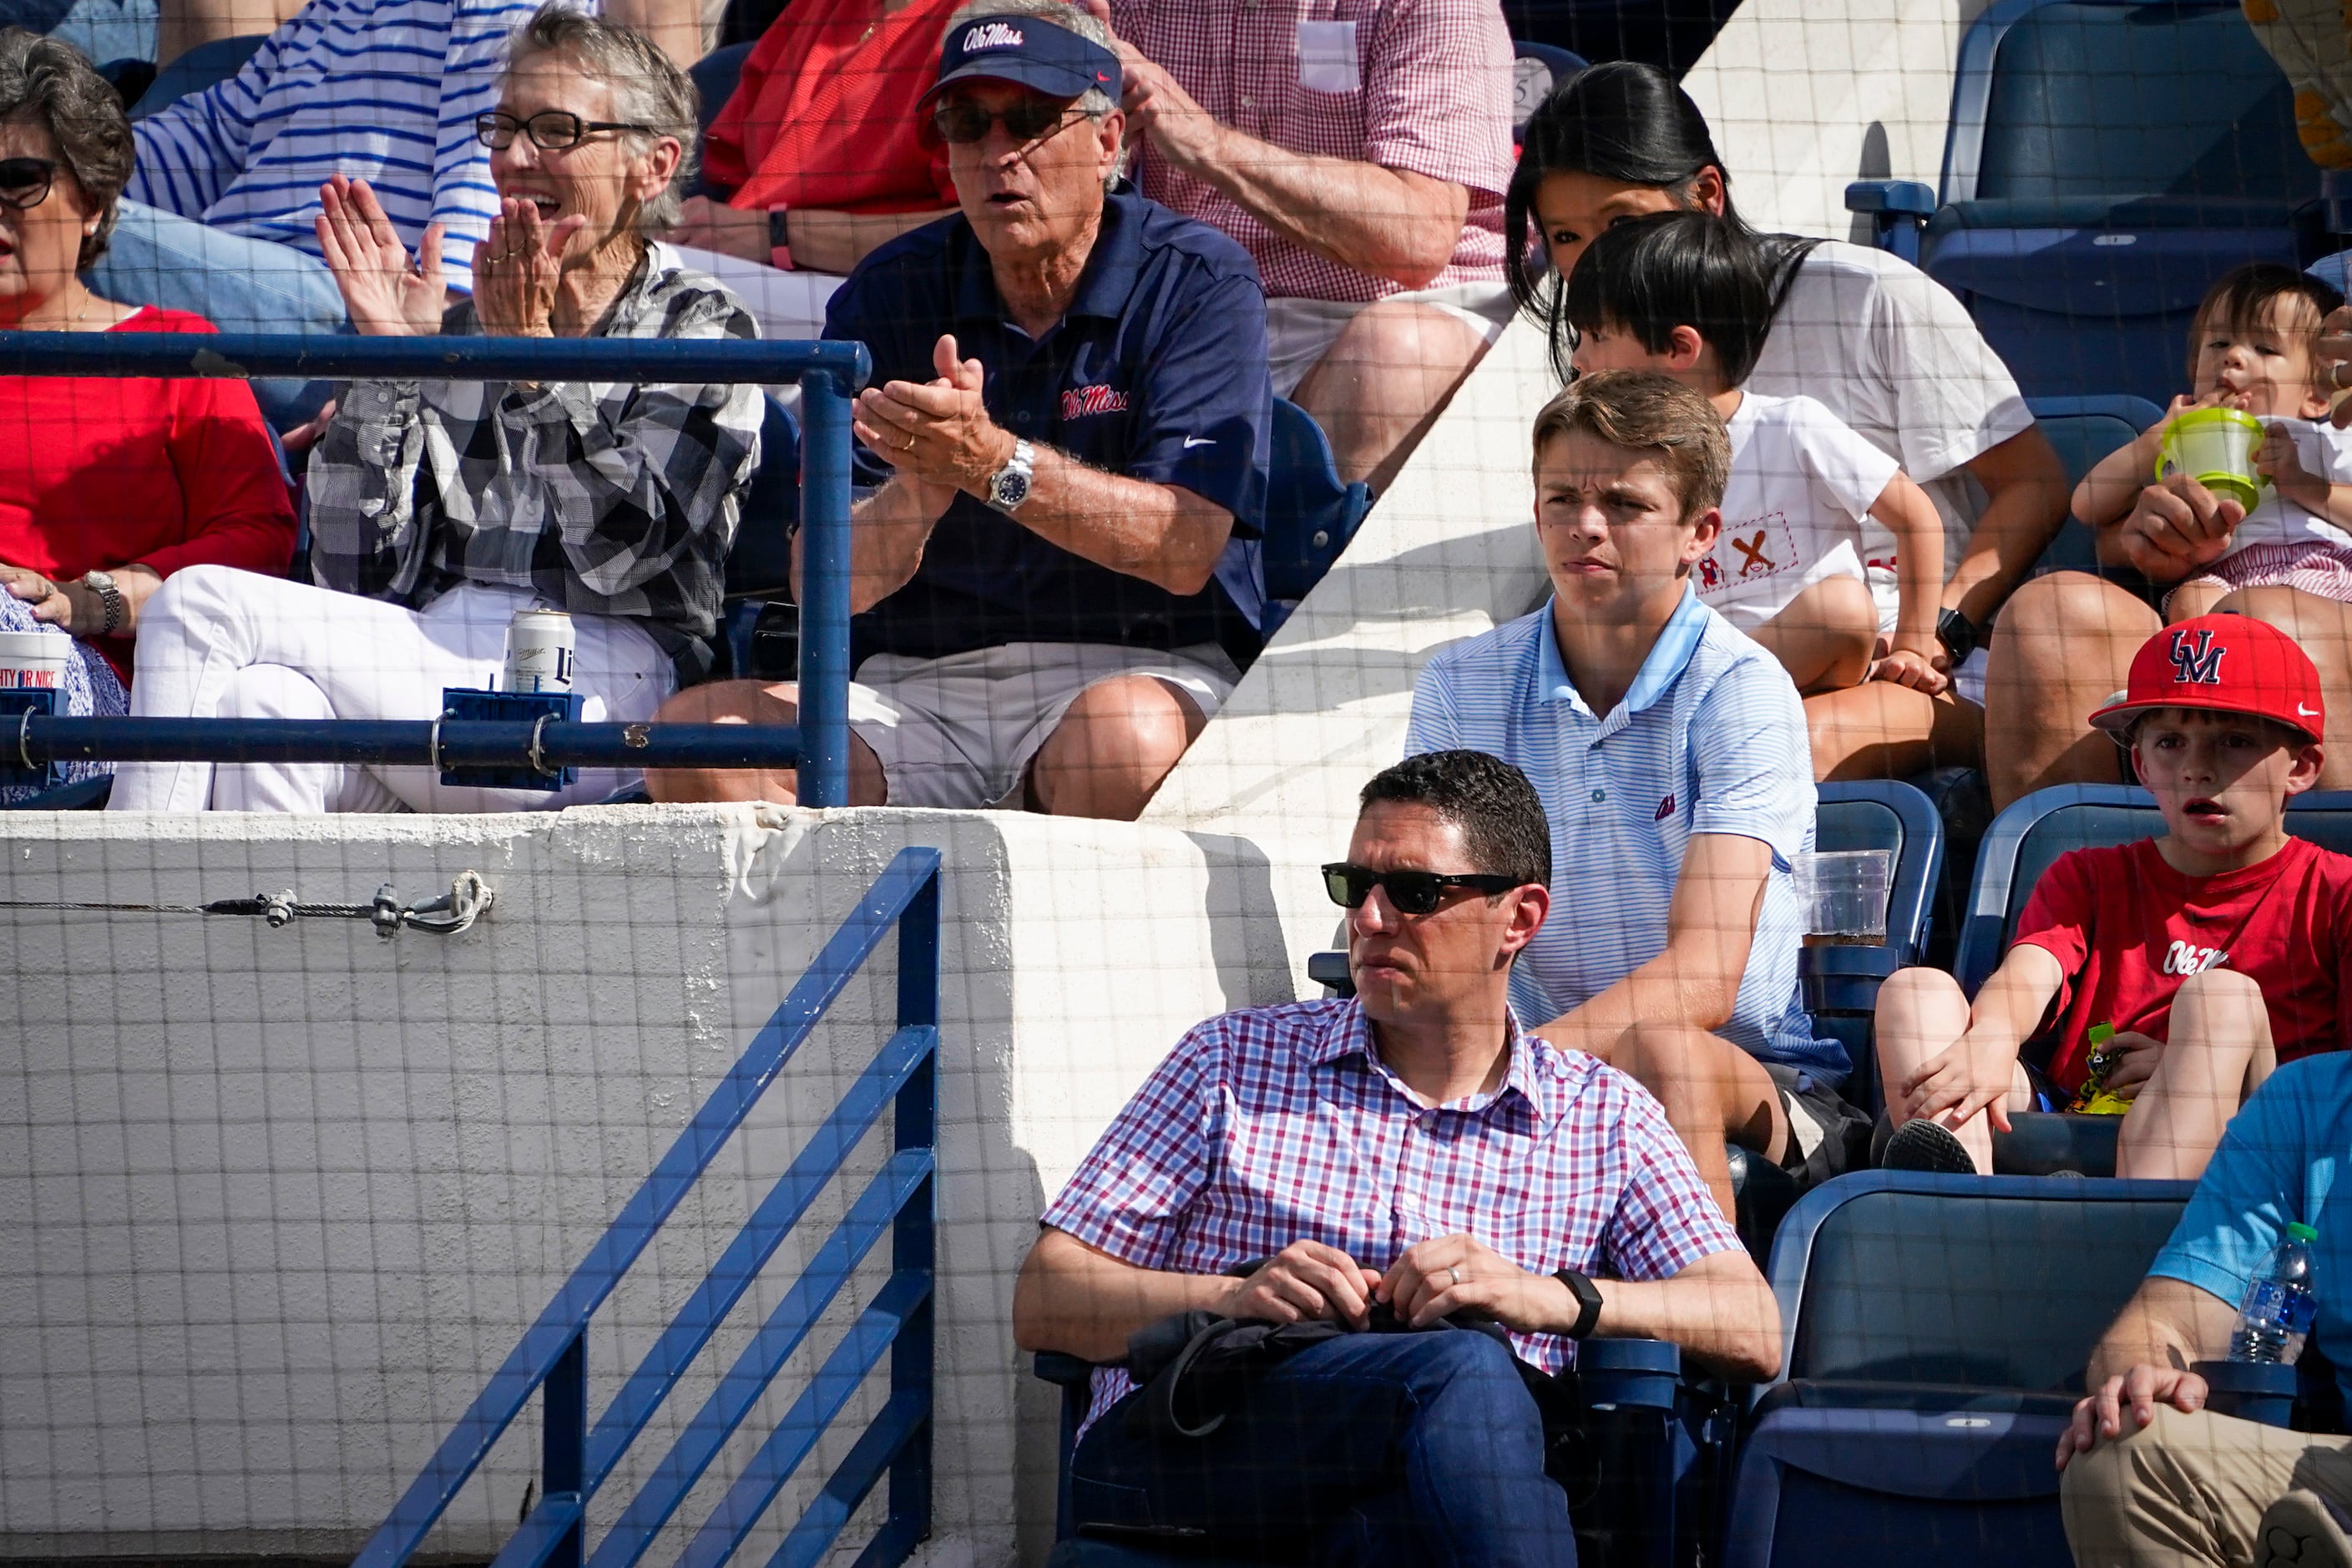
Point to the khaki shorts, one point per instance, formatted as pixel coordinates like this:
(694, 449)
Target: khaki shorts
(959, 732)
(1300, 333)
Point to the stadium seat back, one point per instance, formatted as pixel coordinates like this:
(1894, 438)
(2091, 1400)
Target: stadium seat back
(1536, 70)
(715, 75)
(1937, 1327)
(2116, 101)
(2081, 430)
(1310, 513)
(2106, 161)
(209, 64)
(1841, 983)
(760, 563)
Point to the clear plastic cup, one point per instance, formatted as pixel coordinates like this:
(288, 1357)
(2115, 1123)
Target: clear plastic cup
(1844, 893)
(2216, 447)
(37, 659)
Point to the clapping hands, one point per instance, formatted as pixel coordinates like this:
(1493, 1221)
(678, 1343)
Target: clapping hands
(387, 295)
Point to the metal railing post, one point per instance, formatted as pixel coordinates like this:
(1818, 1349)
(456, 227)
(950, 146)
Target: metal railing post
(915, 1233)
(563, 1442)
(824, 590)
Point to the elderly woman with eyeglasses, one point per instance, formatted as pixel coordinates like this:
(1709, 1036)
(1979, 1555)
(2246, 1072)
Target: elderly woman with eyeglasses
(107, 486)
(439, 509)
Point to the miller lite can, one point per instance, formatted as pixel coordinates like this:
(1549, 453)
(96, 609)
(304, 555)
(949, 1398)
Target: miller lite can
(538, 651)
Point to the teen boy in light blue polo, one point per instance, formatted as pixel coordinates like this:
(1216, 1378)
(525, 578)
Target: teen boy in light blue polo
(1671, 754)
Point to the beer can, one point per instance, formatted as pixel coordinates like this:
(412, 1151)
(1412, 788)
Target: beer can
(539, 645)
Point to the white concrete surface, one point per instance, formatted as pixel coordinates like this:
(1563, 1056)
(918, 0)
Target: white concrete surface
(281, 1200)
(1804, 97)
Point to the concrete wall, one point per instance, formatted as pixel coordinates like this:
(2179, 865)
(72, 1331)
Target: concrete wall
(1804, 96)
(283, 1199)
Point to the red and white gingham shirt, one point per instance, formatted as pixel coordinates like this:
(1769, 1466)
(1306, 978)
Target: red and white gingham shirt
(1433, 97)
(1273, 1125)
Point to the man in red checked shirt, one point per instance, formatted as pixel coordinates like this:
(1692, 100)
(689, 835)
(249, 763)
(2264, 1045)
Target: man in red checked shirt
(1359, 151)
(2214, 953)
(1411, 1150)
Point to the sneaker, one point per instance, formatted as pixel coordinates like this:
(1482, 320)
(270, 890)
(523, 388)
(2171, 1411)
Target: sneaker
(1921, 1145)
(2301, 1529)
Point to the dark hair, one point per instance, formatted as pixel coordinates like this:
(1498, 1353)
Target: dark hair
(1624, 121)
(1677, 269)
(41, 77)
(1647, 411)
(2242, 296)
(1500, 814)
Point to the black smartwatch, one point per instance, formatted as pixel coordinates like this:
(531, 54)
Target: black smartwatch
(1959, 635)
(1588, 1302)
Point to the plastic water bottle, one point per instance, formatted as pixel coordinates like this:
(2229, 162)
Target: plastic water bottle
(2279, 1305)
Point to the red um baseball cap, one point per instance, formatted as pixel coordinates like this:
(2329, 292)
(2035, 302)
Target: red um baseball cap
(2228, 663)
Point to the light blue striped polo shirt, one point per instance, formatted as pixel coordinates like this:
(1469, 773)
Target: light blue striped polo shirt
(1710, 739)
(384, 91)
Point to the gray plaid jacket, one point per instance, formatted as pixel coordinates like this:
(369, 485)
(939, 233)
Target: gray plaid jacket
(605, 498)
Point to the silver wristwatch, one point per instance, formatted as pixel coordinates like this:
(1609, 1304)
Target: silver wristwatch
(1008, 486)
(103, 584)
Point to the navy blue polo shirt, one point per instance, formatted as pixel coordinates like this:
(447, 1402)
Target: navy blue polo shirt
(1157, 371)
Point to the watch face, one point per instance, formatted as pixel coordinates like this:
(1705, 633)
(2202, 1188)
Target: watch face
(1011, 489)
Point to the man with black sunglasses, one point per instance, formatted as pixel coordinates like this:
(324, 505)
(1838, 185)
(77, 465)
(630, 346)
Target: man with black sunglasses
(1056, 577)
(1382, 1163)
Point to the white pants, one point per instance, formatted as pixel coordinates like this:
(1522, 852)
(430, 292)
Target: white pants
(215, 642)
(1300, 333)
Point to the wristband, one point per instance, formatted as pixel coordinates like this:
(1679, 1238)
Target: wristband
(780, 249)
(1588, 1302)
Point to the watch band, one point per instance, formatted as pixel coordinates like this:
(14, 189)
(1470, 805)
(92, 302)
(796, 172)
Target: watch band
(780, 243)
(1959, 635)
(1588, 1302)
(109, 599)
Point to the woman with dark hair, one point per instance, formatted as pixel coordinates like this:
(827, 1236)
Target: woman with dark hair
(1885, 347)
(107, 485)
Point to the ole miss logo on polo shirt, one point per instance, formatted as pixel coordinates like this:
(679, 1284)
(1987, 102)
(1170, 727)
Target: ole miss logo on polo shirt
(1081, 401)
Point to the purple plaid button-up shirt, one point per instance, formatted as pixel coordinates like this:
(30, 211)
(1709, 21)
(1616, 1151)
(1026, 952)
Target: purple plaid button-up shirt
(1273, 1125)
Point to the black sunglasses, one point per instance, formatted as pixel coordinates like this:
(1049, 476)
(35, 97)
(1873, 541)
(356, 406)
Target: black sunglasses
(25, 182)
(963, 122)
(1411, 893)
(550, 130)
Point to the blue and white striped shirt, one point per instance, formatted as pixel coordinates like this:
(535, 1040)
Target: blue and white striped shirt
(1710, 739)
(384, 91)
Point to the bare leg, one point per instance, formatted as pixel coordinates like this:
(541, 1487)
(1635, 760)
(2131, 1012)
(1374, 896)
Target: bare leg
(2192, 600)
(1823, 637)
(751, 702)
(1920, 1013)
(2324, 627)
(1712, 1092)
(2063, 644)
(1882, 731)
(2217, 1051)
(1109, 755)
(1384, 381)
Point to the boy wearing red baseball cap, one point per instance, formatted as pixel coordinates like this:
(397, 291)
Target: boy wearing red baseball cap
(2212, 954)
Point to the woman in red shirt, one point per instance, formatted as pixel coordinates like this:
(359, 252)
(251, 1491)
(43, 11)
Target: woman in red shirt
(107, 485)
(823, 150)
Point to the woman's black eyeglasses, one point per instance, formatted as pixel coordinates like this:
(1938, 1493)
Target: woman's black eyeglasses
(550, 130)
(963, 122)
(25, 182)
(1411, 893)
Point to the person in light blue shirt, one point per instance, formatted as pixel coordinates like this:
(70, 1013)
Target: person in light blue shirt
(2150, 1474)
(1671, 754)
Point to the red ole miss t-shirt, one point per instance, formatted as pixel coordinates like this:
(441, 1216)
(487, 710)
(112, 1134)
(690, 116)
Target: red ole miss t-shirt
(2127, 930)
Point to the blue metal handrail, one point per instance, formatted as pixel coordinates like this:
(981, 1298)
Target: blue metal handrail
(900, 1199)
(828, 373)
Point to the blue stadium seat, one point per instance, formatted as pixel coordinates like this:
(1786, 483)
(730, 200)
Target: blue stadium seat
(760, 567)
(2018, 847)
(2108, 160)
(2081, 430)
(208, 65)
(1937, 1328)
(1535, 72)
(1841, 983)
(1310, 513)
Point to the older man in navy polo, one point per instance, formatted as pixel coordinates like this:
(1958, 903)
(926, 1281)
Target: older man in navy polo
(1059, 572)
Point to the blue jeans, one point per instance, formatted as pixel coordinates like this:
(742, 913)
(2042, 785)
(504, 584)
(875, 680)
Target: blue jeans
(239, 285)
(1375, 1448)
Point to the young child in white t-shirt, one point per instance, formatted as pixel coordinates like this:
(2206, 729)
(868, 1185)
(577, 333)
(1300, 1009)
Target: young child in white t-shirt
(1691, 295)
(2254, 348)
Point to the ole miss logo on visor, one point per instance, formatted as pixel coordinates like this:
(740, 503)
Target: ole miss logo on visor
(1080, 402)
(2195, 660)
(991, 35)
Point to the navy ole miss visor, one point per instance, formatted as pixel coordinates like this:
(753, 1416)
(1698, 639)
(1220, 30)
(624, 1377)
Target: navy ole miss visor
(1027, 50)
